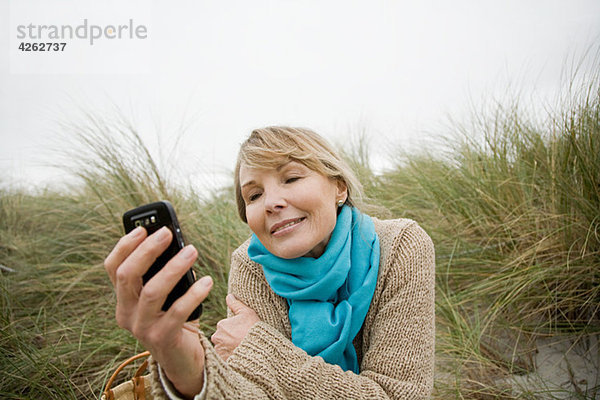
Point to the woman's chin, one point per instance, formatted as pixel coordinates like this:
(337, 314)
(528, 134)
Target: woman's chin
(289, 252)
(297, 251)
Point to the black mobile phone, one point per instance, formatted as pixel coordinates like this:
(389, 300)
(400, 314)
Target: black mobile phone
(154, 216)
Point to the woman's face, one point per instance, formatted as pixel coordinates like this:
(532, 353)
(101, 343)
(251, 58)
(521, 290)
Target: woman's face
(291, 209)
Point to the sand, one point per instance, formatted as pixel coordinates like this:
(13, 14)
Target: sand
(565, 368)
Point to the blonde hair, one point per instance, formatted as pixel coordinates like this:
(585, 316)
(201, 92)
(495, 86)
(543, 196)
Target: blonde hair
(274, 146)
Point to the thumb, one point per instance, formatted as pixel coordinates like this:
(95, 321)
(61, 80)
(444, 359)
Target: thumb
(234, 304)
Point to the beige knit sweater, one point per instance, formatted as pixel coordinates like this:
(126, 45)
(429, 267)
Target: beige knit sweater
(395, 346)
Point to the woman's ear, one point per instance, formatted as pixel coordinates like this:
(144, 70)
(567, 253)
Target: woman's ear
(341, 190)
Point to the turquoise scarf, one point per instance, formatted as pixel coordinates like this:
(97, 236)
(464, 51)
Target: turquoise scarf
(328, 296)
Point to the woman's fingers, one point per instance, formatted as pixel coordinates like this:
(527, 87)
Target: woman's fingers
(138, 262)
(122, 250)
(236, 306)
(128, 277)
(180, 310)
(156, 290)
(231, 331)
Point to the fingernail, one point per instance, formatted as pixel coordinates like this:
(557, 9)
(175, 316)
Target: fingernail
(188, 252)
(206, 281)
(137, 232)
(161, 234)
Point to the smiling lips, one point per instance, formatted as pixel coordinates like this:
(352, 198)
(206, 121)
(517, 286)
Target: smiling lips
(285, 224)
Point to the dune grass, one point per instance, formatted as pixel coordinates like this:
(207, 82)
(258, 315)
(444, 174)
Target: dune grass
(512, 207)
(514, 210)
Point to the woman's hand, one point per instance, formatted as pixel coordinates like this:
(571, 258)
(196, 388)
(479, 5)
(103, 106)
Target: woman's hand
(174, 346)
(231, 331)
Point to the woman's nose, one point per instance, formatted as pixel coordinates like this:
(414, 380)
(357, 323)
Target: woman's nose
(274, 200)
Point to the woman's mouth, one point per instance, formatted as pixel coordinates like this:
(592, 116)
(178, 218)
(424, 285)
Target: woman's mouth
(284, 225)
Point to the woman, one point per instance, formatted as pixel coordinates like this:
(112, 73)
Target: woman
(324, 301)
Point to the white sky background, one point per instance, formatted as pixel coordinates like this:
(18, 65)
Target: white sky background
(395, 68)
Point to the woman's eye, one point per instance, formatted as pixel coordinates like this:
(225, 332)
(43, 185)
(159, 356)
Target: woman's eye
(253, 196)
(292, 179)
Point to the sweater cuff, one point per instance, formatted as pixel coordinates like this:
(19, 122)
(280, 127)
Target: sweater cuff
(170, 390)
(162, 389)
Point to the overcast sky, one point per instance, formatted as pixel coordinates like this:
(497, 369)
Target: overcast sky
(395, 68)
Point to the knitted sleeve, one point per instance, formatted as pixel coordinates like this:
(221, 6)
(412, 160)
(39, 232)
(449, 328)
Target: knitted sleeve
(399, 336)
(395, 346)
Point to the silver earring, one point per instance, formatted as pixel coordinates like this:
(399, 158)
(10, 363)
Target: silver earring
(340, 203)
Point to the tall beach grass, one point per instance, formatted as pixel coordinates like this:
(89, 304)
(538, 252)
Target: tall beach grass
(514, 210)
